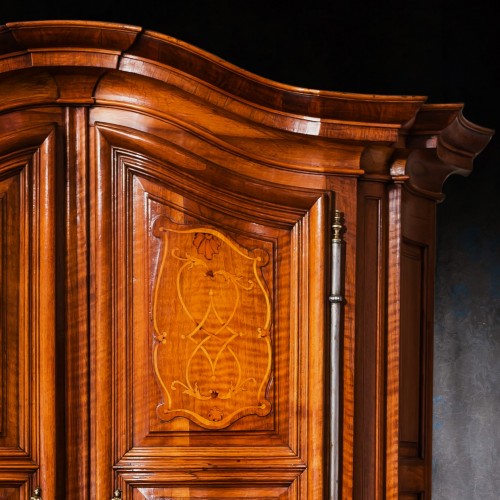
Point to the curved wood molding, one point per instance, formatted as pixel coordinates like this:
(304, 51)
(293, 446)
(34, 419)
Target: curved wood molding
(107, 57)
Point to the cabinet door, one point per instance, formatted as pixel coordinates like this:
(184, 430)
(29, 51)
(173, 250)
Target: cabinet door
(209, 322)
(27, 311)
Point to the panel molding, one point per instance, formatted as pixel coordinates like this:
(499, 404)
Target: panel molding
(142, 196)
(27, 176)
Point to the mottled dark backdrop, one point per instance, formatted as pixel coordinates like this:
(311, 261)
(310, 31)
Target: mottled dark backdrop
(466, 462)
(447, 50)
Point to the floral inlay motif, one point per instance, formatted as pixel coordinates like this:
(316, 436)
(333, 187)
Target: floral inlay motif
(207, 244)
(212, 319)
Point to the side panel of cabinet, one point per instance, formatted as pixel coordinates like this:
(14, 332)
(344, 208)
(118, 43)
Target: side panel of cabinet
(415, 355)
(27, 307)
(371, 326)
(394, 342)
(209, 333)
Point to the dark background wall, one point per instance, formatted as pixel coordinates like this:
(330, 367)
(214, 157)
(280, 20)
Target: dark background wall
(444, 49)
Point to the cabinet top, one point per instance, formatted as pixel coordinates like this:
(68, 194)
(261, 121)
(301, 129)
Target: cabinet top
(87, 62)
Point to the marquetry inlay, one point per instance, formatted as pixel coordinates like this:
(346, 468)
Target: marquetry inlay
(212, 352)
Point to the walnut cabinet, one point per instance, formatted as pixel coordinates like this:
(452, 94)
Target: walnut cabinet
(213, 285)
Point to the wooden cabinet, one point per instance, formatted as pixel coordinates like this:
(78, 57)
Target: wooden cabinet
(168, 323)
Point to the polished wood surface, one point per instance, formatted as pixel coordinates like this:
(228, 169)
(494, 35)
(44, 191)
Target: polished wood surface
(165, 245)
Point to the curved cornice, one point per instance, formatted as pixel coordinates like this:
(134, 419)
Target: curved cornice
(131, 49)
(377, 130)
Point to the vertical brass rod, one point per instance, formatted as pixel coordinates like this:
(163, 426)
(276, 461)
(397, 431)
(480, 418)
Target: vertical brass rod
(336, 300)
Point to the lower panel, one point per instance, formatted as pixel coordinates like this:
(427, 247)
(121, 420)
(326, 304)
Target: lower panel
(15, 485)
(265, 492)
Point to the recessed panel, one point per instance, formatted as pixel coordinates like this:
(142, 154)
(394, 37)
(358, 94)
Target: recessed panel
(412, 314)
(214, 493)
(9, 493)
(211, 337)
(14, 485)
(13, 328)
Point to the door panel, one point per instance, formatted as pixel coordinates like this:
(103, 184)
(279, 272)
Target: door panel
(27, 313)
(212, 325)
